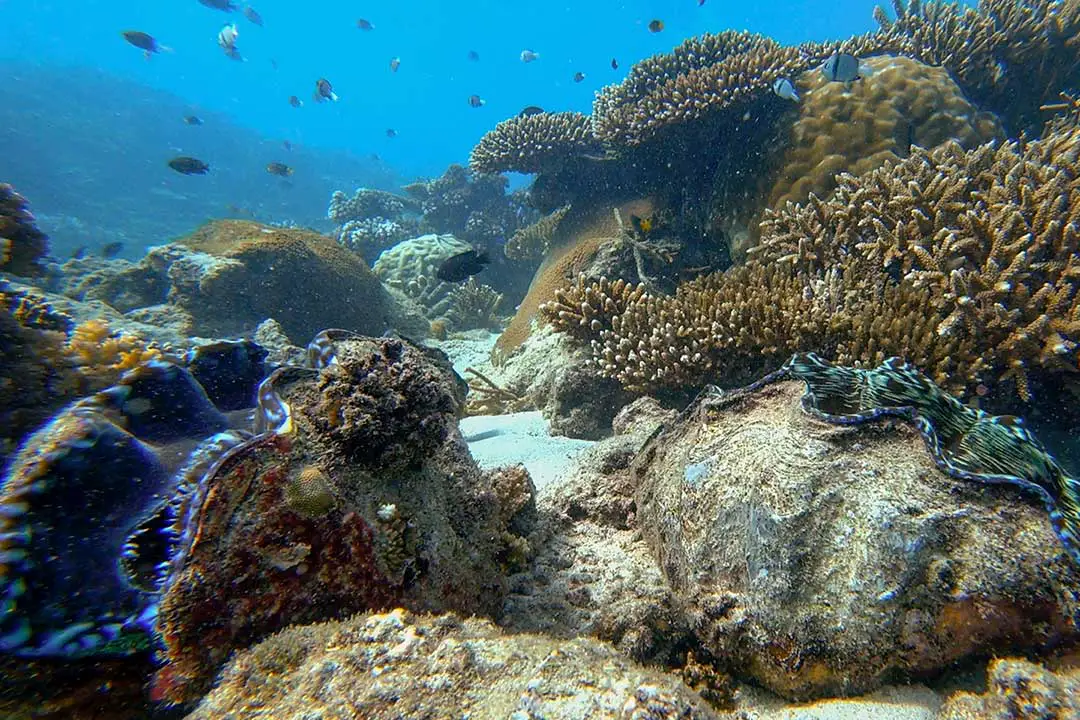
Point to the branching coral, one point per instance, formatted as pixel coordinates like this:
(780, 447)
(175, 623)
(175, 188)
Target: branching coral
(102, 355)
(533, 143)
(469, 306)
(22, 245)
(964, 263)
(368, 203)
(533, 241)
(1008, 56)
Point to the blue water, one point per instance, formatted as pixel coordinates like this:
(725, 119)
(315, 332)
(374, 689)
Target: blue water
(88, 123)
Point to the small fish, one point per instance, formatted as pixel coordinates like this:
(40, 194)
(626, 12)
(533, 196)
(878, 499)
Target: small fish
(78, 253)
(226, 40)
(841, 67)
(364, 24)
(273, 63)
(656, 26)
(144, 42)
(462, 266)
(527, 56)
(785, 89)
(111, 250)
(279, 169)
(193, 120)
(474, 56)
(642, 225)
(189, 166)
(253, 16)
(324, 91)
(287, 145)
(391, 133)
(579, 76)
(614, 64)
(531, 110)
(295, 101)
(700, 3)
(395, 63)
(476, 101)
(226, 5)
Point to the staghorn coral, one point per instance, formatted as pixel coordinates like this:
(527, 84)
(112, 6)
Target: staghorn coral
(899, 103)
(22, 245)
(1009, 57)
(964, 263)
(702, 76)
(533, 143)
(533, 241)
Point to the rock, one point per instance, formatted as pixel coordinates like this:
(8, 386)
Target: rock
(280, 350)
(1019, 689)
(397, 665)
(360, 494)
(821, 559)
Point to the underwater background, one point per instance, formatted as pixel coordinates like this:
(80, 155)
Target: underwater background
(633, 361)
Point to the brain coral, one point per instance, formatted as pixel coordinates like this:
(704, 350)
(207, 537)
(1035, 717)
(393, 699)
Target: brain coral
(856, 127)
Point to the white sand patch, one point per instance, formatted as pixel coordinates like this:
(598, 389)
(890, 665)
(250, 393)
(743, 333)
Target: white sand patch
(912, 702)
(496, 440)
(468, 349)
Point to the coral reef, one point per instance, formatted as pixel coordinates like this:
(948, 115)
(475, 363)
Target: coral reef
(22, 245)
(898, 103)
(372, 220)
(398, 664)
(359, 493)
(964, 263)
(1008, 57)
(776, 529)
(367, 203)
(470, 306)
(1018, 689)
(534, 143)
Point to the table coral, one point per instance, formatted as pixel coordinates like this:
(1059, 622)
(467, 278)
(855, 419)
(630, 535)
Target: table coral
(533, 143)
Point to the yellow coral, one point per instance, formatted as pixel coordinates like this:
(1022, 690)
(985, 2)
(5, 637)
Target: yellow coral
(102, 355)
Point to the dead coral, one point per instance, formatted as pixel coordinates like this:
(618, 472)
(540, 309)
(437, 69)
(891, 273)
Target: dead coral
(22, 245)
(899, 104)
(533, 143)
(964, 263)
(1008, 56)
(704, 75)
(533, 241)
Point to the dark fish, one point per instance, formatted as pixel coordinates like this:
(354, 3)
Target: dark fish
(391, 133)
(295, 101)
(111, 250)
(324, 91)
(253, 16)
(279, 169)
(462, 266)
(579, 76)
(395, 63)
(700, 3)
(78, 253)
(273, 63)
(474, 56)
(614, 64)
(143, 41)
(476, 101)
(189, 165)
(656, 26)
(841, 67)
(193, 120)
(364, 24)
(286, 144)
(531, 110)
(226, 5)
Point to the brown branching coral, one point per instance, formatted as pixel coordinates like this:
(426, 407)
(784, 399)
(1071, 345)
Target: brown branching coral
(533, 143)
(533, 241)
(707, 74)
(966, 263)
(1008, 56)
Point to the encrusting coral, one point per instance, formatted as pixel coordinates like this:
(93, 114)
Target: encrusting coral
(964, 263)
(533, 143)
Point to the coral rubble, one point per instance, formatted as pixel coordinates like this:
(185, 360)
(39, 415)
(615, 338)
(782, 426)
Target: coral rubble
(399, 664)
(822, 559)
